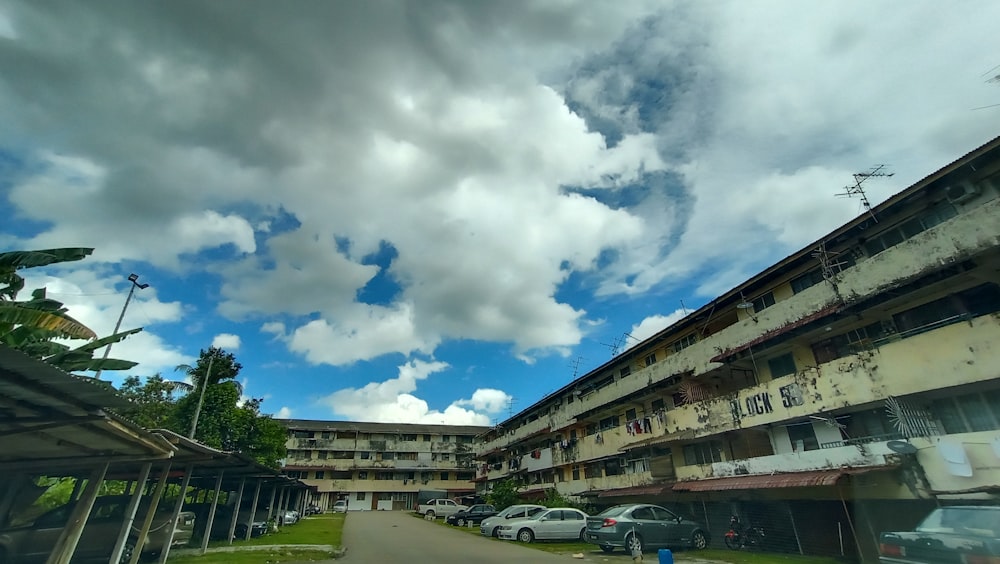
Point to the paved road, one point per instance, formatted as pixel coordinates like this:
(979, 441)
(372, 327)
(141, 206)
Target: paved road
(397, 537)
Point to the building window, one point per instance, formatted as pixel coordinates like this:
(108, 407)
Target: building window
(407, 456)
(656, 405)
(803, 437)
(325, 435)
(444, 476)
(302, 434)
(608, 423)
(465, 476)
(899, 233)
(383, 475)
(624, 371)
(365, 455)
(320, 474)
(763, 302)
(702, 453)
(685, 342)
(409, 438)
(592, 470)
(576, 472)
(445, 438)
(322, 455)
(294, 474)
(630, 415)
(363, 475)
(651, 359)
(969, 413)
(807, 280)
(360, 496)
(569, 399)
(613, 467)
(427, 438)
(388, 456)
(781, 366)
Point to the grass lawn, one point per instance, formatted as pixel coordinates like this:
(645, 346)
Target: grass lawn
(317, 529)
(727, 556)
(256, 557)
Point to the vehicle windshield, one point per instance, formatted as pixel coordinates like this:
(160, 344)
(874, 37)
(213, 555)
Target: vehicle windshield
(613, 511)
(975, 521)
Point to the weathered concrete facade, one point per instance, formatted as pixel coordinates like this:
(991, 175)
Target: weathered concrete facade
(863, 367)
(380, 465)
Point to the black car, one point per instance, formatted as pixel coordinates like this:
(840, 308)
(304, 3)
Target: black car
(949, 534)
(474, 514)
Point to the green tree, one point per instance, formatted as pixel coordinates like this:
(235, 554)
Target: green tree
(224, 421)
(504, 494)
(153, 399)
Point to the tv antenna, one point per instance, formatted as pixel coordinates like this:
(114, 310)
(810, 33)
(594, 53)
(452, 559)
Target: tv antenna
(620, 343)
(575, 363)
(510, 406)
(858, 190)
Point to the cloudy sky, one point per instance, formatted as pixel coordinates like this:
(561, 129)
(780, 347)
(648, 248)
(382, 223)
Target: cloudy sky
(439, 211)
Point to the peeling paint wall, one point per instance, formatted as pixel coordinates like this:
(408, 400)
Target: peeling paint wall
(874, 454)
(982, 450)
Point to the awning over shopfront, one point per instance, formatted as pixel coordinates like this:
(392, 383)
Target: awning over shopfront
(649, 489)
(773, 481)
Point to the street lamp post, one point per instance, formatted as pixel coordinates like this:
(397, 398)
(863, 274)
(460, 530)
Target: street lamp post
(134, 279)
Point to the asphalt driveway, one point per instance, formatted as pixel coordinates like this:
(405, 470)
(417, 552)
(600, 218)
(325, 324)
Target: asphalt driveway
(399, 537)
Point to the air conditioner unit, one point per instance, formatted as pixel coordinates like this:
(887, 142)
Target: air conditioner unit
(962, 192)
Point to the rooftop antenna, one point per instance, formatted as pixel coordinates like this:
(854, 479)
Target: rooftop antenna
(575, 363)
(684, 308)
(858, 191)
(619, 344)
(510, 406)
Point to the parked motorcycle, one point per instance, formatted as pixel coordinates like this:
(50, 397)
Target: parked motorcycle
(739, 537)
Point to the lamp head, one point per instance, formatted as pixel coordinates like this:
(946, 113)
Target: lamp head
(133, 277)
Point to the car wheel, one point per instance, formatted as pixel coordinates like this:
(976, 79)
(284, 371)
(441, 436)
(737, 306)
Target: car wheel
(583, 534)
(461, 522)
(698, 540)
(525, 535)
(607, 548)
(633, 542)
(496, 532)
(432, 515)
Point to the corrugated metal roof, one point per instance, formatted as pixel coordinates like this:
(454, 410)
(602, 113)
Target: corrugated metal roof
(654, 489)
(772, 481)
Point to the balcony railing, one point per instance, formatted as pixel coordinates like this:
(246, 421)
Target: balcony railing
(862, 440)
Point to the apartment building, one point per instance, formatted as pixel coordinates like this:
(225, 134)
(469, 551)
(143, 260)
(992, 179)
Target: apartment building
(378, 466)
(839, 393)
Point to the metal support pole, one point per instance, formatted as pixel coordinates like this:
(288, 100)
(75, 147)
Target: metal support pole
(77, 484)
(211, 512)
(850, 523)
(795, 530)
(65, 546)
(107, 350)
(130, 511)
(280, 510)
(178, 505)
(147, 521)
(201, 396)
(253, 509)
(236, 511)
(270, 506)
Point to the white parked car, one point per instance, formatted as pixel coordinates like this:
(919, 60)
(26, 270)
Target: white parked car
(490, 527)
(559, 523)
(340, 506)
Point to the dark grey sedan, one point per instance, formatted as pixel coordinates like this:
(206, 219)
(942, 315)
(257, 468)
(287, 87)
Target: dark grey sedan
(642, 526)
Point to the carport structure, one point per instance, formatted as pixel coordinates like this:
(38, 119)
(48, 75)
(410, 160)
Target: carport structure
(57, 424)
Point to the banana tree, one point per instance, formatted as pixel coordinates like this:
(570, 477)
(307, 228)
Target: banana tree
(39, 312)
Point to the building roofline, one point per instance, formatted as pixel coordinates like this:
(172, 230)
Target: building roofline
(734, 293)
(364, 426)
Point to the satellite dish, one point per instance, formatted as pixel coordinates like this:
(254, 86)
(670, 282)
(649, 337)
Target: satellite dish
(744, 305)
(901, 447)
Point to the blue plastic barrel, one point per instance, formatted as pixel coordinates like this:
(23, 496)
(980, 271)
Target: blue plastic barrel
(666, 557)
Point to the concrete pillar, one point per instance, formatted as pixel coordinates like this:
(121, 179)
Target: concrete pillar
(65, 546)
(130, 511)
(236, 511)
